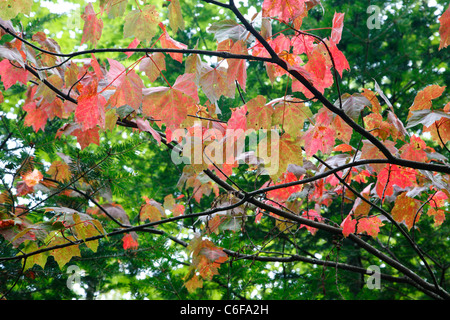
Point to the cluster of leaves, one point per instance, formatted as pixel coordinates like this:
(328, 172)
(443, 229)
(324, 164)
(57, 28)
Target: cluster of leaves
(355, 150)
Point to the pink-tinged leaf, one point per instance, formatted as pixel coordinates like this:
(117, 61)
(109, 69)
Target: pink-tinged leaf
(153, 65)
(129, 92)
(286, 10)
(132, 45)
(319, 138)
(168, 43)
(11, 75)
(406, 210)
(311, 215)
(116, 73)
(36, 117)
(237, 69)
(93, 26)
(371, 226)
(348, 226)
(170, 105)
(86, 137)
(238, 119)
(414, 150)
(214, 83)
(302, 44)
(340, 61)
(90, 111)
(96, 66)
(144, 125)
(338, 25)
(444, 29)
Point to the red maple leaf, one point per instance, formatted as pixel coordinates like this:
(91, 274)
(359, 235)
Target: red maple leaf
(170, 104)
(129, 242)
(444, 29)
(90, 110)
(168, 43)
(338, 25)
(284, 9)
(392, 175)
(93, 26)
(86, 137)
(11, 74)
(129, 92)
(36, 117)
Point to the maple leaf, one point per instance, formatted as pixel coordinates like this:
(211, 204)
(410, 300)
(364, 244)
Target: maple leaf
(11, 75)
(440, 131)
(39, 259)
(444, 29)
(426, 117)
(63, 255)
(9, 9)
(238, 119)
(36, 117)
(291, 116)
(340, 61)
(170, 104)
(43, 90)
(90, 111)
(437, 210)
(423, 98)
(237, 69)
(194, 283)
(150, 212)
(371, 226)
(168, 43)
(311, 214)
(129, 243)
(338, 25)
(392, 175)
(372, 97)
(59, 171)
(348, 225)
(414, 150)
(132, 45)
(259, 114)
(342, 129)
(141, 23)
(129, 92)
(86, 137)
(370, 151)
(32, 178)
(281, 195)
(320, 137)
(214, 83)
(176, 20)
(153, 65)
(277, 154)
(116, 73)
(284, 9)
(93, 26)
(360, 207)
(406, 210)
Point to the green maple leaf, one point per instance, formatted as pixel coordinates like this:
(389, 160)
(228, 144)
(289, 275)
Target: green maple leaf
(142, 23)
